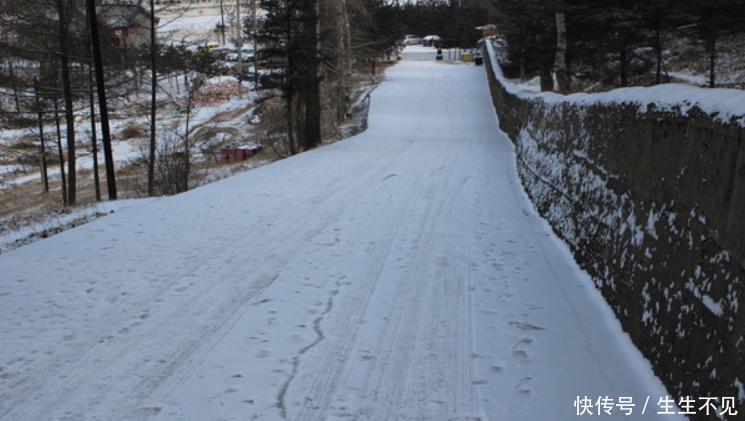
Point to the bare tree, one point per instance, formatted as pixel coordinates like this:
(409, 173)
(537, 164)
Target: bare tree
(153, 99)
(102, 106)
(63, 32)
(63, 179)
(42, 146)
(560, 66)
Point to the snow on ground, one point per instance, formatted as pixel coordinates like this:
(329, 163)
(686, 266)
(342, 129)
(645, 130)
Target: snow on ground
(532, 85)
(698, 80)
(418, 52)
(56, 222)
(126, 151)
(192, 28)
(728, 104)
(190, 23)
(123, 152)
(398, 275)
(184, 26)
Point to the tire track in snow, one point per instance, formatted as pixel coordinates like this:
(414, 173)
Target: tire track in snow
(296, 359)
(88, 365)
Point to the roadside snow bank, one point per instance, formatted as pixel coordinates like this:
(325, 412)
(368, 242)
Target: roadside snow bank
(54, 223)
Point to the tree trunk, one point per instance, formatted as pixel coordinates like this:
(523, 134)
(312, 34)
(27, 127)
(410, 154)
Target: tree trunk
(187, 163)
(658, 44)
(658, 51)
(291, 124)
(61, 156)
(11, 70)
(712, 61)
(62, 27)
(153, 99)
(92, 103)
(523, 73)
(94, 140)
(342, 62)
(311, 88)
(239, 44)
(623, 59)
(562, 73)
(547, 81)
(254, 31)
(222, 21)
(102, 106)
(40, 118)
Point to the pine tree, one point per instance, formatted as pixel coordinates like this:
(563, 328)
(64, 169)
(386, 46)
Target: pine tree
(289, 56)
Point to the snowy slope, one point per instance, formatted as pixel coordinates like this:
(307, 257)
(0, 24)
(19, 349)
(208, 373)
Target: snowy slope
(398, 275)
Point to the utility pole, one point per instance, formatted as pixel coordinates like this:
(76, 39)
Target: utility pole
(102, 107)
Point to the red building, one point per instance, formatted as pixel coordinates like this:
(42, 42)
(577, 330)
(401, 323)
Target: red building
(239, 153)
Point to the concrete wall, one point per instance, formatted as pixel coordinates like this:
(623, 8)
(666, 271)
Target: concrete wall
(652, 203)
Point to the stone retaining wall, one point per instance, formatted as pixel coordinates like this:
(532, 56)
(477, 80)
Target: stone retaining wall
(652, 204)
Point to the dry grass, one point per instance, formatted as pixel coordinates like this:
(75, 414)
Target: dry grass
(132, 131)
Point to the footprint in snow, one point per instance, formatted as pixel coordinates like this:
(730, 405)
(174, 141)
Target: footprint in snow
(520, 350)
(524, 387)
(148, 411)
(525, 325)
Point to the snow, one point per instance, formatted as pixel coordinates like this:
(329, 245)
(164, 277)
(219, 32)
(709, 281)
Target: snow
(727, 104)
(127, 151)
(123, 152)
(179, 27)
(191, 23)
(532, 85)
(400, 274)
(694, 79)
(56, 222)
(713, 306)
(220, 79)
(418, 53)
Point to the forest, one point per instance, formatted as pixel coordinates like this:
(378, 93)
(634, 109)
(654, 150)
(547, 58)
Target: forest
(616, 42)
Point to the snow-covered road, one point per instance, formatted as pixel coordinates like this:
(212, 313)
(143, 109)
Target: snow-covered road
(397, 275)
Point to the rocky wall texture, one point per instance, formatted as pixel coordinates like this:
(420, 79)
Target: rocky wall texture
(652, 204)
